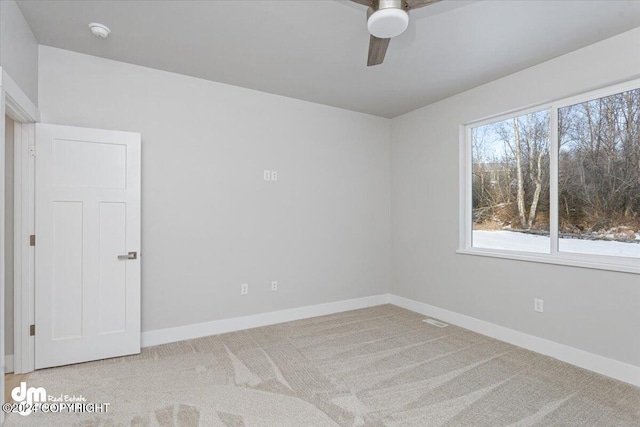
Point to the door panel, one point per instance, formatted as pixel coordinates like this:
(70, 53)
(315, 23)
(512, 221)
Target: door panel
(113, 271)
(67, 280)
(87, 164)
(87, 215)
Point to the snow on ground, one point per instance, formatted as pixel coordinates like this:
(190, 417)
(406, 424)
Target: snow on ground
(514, 241)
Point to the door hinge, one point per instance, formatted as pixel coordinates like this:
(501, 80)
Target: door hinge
(32, 150)
(32, 240)
(32, 330)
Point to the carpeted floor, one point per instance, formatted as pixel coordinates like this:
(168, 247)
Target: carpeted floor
(380, 366)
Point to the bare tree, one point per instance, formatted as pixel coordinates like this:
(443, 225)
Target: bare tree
(600, 163)
(527, 139)
(519, 176)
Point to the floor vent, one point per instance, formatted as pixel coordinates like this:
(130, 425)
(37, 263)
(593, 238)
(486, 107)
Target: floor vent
(437, 323)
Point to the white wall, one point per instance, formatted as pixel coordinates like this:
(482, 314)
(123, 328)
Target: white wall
(593, 310)
(18, 49)
(8, 240)
(209, 220)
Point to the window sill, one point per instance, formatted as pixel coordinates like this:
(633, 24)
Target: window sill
(624, 265)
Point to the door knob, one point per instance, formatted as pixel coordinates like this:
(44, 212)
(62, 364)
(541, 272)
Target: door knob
(130, 255)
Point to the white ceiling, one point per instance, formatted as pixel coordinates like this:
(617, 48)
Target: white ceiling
(317, 50)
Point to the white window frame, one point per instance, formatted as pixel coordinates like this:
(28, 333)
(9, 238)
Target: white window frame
(601, 262)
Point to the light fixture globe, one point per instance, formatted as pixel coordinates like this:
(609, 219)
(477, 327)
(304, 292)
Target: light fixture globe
(387, 23)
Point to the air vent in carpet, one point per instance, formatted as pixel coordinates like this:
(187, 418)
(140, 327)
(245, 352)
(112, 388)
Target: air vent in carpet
(437, 323)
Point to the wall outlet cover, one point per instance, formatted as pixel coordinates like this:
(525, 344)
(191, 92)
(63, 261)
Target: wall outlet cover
(538, 305)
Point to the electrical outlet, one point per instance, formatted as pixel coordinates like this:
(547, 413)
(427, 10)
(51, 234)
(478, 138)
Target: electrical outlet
(274, 175)
(267, 175)
(538, 305)
(244, 289)
(274, 285)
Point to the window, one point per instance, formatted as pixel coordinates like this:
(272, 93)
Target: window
(510, 183)
(560, 183)
(599, 176)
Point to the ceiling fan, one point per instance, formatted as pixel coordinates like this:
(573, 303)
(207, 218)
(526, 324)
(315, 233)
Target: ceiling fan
(387, 19)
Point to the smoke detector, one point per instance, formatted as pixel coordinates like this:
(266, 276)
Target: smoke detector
(99, 30)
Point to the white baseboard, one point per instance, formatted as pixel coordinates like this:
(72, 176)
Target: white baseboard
(163, 336)
(8, 363)
(583, 359)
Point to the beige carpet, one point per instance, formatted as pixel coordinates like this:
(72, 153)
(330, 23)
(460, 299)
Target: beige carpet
(380, 366)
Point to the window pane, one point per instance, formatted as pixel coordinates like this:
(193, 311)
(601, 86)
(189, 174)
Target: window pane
(511, 184)
(599, 176)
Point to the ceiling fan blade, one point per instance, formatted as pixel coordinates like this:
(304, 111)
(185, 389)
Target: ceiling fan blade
(415, 4)
(377, 50)
(367, 3)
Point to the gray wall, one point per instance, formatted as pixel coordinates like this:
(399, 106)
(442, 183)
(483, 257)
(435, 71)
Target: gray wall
(18, 49)
(593, 310)
(211, 223)
(8, 241)
(209, 220)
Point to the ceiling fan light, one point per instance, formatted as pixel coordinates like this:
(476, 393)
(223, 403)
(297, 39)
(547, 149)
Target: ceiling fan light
(388, 23)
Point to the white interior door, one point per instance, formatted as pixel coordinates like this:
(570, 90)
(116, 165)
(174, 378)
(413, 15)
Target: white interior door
(87, 222)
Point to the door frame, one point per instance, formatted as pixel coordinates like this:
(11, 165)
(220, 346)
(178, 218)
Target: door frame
(15, 104)
(23, 253)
